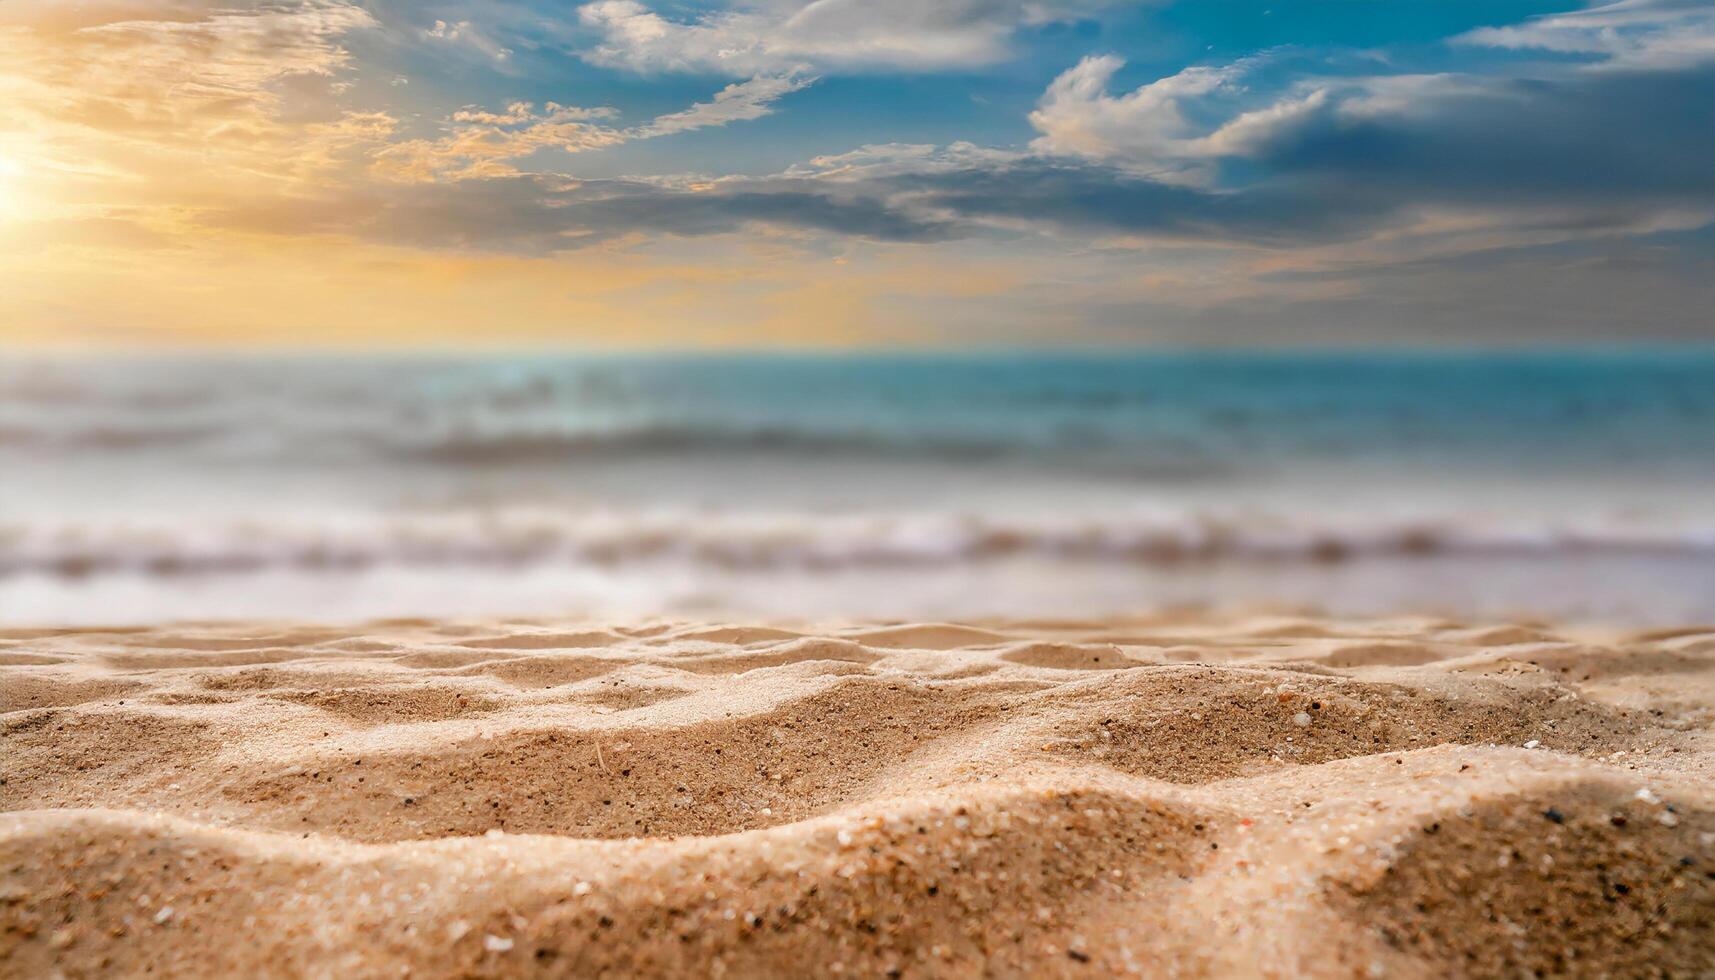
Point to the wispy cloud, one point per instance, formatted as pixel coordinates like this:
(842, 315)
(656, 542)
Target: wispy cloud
(1646, 34)
(179, 79)
(826, 34)
(485, 144)
(465, 33)
(738, 102)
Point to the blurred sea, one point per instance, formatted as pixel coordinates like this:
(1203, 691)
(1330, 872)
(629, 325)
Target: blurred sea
(142, 489)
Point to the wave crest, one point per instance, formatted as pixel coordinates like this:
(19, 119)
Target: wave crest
(773, 541)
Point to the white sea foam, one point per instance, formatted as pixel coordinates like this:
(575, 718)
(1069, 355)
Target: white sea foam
(522, 537)
(886, 485)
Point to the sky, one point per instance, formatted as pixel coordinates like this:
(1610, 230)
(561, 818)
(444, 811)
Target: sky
(855, 173)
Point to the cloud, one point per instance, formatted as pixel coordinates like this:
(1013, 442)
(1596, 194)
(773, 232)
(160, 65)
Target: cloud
(1537, 148)
(785, 35)
(901, 160)
(1249, 187)
(1092, 199)
(1146, 127)
(185, 76)
(1625, 34)
(539, 214)
(945, 196)
(486, 144)
(1418, 167)
(123, 120)
(515, 114)
(711, 212)
(737, 102)
(1578, 140)
(1401, 167)
(55, 17)
(463, 32)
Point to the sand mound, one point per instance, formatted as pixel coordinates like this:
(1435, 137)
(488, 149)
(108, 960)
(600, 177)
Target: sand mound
(1070, 656)
(1209, 797)
(543, 641)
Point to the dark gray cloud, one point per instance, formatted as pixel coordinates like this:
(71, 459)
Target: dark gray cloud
(860, 215)
(530, 213)
(536, 214)
(1585, 137)
(1075, 197)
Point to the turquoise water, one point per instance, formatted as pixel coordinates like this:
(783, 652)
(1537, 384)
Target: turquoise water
(545, 480)
(1164, 410)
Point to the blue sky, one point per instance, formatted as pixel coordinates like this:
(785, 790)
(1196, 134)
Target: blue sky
(985, 97)
(971, 171)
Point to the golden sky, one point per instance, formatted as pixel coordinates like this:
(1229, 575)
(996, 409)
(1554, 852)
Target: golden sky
(329, 172)
(129, 139)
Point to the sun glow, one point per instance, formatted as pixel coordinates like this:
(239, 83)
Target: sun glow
(11, 172)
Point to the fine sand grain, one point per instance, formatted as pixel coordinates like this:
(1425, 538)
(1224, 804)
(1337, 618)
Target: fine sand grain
(1190, 795)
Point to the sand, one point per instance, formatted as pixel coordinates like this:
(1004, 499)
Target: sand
(1184, 795)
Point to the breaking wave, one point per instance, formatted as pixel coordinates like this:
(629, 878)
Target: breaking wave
(522, 538)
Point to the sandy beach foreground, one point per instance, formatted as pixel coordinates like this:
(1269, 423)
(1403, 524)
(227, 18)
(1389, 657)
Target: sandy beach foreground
(1183, 795)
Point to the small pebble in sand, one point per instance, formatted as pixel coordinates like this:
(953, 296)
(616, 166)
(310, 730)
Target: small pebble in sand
(1301, 719)
(162, 916)
(496, 944)
(581, 888)
(1533, 743)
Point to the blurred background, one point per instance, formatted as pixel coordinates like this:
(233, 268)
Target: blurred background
(879, 486)
(1383, 308)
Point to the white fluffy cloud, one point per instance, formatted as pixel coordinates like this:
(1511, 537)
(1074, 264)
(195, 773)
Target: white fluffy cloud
(1146, 127)
(1173, 128)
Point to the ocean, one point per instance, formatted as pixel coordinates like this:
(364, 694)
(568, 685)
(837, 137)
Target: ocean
(1573, 485)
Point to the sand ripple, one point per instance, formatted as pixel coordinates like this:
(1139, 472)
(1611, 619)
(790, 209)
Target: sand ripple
(1197, 795)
